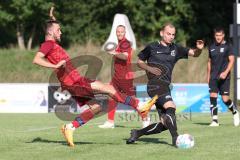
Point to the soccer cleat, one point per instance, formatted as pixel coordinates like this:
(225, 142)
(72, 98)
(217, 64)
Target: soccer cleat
(146, 122)
(133, 138)
(68, 134)
(236, 119)
(174, 140)
(147, 107)
(106, 125)
(214, 124)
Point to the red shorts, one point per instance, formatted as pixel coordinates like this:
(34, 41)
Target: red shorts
(81, 90)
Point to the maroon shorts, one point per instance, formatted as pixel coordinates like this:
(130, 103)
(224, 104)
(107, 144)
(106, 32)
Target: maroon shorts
(81, 90)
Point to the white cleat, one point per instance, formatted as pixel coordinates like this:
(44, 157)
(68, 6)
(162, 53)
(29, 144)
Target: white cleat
(106, 125)
(146, 122)
(236, 119)
(214, 124)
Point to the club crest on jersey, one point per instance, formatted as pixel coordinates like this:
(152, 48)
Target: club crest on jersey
(173, 53)
(221, 50)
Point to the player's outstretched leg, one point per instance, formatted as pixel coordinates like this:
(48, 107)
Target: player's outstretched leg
(86, 115)
(151, 129)
(170, 122)
(123, 98)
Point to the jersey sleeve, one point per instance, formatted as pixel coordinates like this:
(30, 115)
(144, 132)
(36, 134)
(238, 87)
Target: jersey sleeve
(230, 50)
(46, 47)
(209, 53)
(182, 52)
(145, 53)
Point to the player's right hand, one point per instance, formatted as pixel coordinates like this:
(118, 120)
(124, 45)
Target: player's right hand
(155, 71)
(60, 64)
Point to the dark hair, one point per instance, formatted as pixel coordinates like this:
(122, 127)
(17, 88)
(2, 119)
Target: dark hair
(49, 24)
(218, 29)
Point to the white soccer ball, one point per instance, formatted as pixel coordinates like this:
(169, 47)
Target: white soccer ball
(110, 46)
(185, 141)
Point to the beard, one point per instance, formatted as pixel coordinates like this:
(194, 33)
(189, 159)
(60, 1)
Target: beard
(58, 39)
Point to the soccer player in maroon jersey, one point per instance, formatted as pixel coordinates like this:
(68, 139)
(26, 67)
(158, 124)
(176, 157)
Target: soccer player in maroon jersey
(123, 76)
(52, 55)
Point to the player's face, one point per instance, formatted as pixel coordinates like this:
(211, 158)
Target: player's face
(219, 37)
(120, 32)
(57, 32)
(168, 34)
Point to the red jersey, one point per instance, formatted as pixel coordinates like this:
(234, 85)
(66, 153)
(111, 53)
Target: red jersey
(54, 53)
(123, 68)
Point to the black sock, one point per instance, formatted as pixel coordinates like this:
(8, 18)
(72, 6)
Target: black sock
(231, 106)
(170, 122)
(214, 109)
(152, 129)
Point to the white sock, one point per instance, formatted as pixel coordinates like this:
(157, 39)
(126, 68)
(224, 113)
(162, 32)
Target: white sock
(70, 126)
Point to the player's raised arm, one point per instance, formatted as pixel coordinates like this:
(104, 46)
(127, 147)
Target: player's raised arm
(41, 61)
(198, 50)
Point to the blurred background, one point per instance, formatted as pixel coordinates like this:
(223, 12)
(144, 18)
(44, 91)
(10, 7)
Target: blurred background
(86, 24)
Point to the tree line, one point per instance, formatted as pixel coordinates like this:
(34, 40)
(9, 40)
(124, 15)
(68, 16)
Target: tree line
(22, 21)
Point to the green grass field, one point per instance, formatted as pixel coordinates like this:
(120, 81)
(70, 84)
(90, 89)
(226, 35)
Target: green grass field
(37, 136)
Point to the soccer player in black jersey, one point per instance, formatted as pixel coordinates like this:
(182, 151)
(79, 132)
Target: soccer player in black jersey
(158, 59)
(220, 63)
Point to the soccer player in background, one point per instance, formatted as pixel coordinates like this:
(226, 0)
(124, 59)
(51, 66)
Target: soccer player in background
(158, 59)
(123, 76)
(220, 63)
(82, 89)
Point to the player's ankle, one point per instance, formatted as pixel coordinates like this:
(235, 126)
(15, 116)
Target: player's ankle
(70, 126)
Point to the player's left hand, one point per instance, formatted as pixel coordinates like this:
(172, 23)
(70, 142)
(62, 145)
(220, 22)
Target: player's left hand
(199, 44)
(223, 75)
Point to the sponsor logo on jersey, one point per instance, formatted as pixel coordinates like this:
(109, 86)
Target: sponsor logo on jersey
(173, 53)
(221, 50)
(212, 50)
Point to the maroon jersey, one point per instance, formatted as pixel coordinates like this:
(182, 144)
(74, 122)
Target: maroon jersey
(123, 76)
(123, 68)
(68, 76)
(55, 53)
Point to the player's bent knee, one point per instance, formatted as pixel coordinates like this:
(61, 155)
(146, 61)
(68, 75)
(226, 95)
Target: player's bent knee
(169, 104)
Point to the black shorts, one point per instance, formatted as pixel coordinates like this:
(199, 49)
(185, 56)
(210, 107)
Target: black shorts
(161, 101)
(221, 86)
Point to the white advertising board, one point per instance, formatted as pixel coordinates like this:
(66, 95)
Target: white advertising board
(23, 98)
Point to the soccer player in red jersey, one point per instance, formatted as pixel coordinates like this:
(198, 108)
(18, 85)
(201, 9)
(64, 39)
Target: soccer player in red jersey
(52, 55)
(123, 76)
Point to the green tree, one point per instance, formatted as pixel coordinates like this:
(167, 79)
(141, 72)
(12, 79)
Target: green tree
(23, 17)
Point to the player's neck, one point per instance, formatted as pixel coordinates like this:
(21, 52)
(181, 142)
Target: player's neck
(164, 43)
(49, 38)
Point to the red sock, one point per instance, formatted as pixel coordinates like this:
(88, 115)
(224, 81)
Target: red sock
(83, 118)
(112, 106)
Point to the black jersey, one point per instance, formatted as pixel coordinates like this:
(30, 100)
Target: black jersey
(219, 54)
(167, 56)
